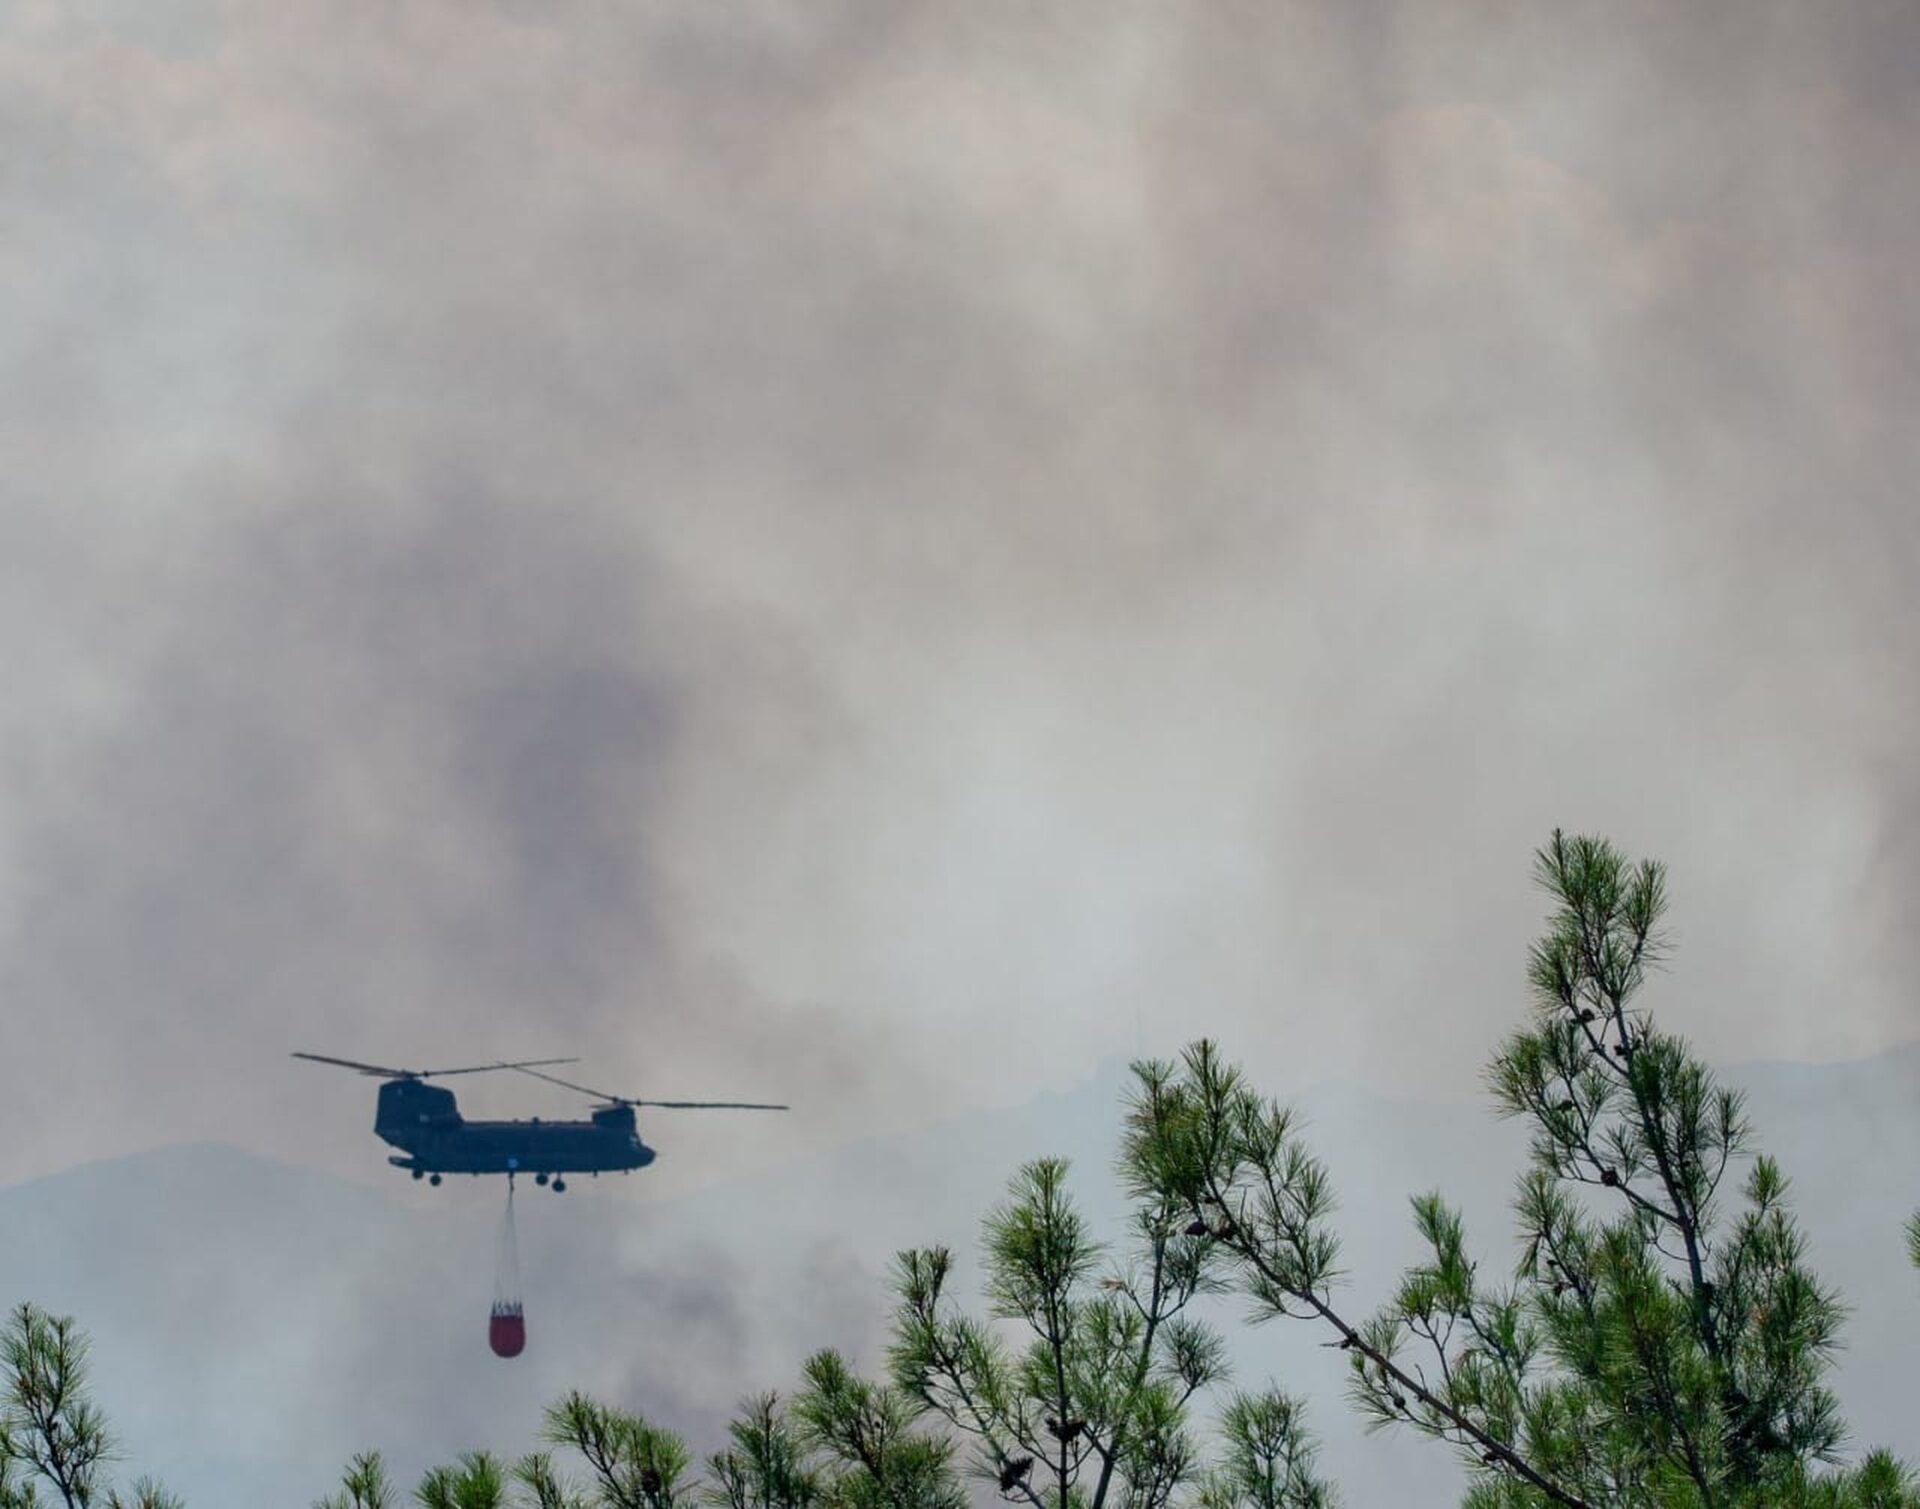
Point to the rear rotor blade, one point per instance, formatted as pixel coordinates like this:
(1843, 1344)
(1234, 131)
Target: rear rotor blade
(665, 1105)
(566, 1084)
(708, 1105)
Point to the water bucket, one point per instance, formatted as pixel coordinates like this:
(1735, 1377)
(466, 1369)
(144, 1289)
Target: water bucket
(507, 1329)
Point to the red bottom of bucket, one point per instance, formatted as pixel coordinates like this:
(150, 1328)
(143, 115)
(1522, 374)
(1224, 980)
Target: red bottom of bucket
(507, 1331)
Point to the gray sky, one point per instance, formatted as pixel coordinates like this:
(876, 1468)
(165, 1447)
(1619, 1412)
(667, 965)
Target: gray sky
(877, 554)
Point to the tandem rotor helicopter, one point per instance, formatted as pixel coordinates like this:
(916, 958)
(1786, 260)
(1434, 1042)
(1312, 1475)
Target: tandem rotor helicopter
(423, 1121)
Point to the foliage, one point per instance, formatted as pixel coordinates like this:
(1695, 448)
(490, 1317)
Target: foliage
(634, 1464)
(1267, 1458)
(363, 1486)
(865, 1432)
(52, 1434)
(478, 1482)
(842, 1442)
(765, 1468)
(1652, 1348)
(1086, 1403)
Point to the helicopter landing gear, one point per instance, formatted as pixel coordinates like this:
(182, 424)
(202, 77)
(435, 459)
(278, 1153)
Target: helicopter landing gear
(434, 1179)
(419, 1173)
(559, 1186)
(540, 1179)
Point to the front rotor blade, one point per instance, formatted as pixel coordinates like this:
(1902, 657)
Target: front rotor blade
(347, 1063)
(489, 1068)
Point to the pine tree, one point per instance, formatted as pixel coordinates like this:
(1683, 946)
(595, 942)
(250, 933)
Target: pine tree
(52, 1434)
(1267, 1460)
(364, 1485)
(865, 1432)
(1654, 1346)
(1090, 1408)
(766, 1466)
(480, 1481)
(633, 1463)
(842, 1442)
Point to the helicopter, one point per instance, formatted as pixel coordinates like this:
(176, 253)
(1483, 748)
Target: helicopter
(423, 1121)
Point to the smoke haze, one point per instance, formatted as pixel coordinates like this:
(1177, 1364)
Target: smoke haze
(874, 555)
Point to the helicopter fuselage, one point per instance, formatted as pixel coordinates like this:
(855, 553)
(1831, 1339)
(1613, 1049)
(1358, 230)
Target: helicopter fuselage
(425, 1123)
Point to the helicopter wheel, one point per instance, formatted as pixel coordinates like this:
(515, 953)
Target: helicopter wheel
(419, 1173)
(559, 1186)
(539, 1178)
(433, 1179)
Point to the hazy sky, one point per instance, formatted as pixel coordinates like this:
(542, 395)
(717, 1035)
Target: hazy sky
(877, 554)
